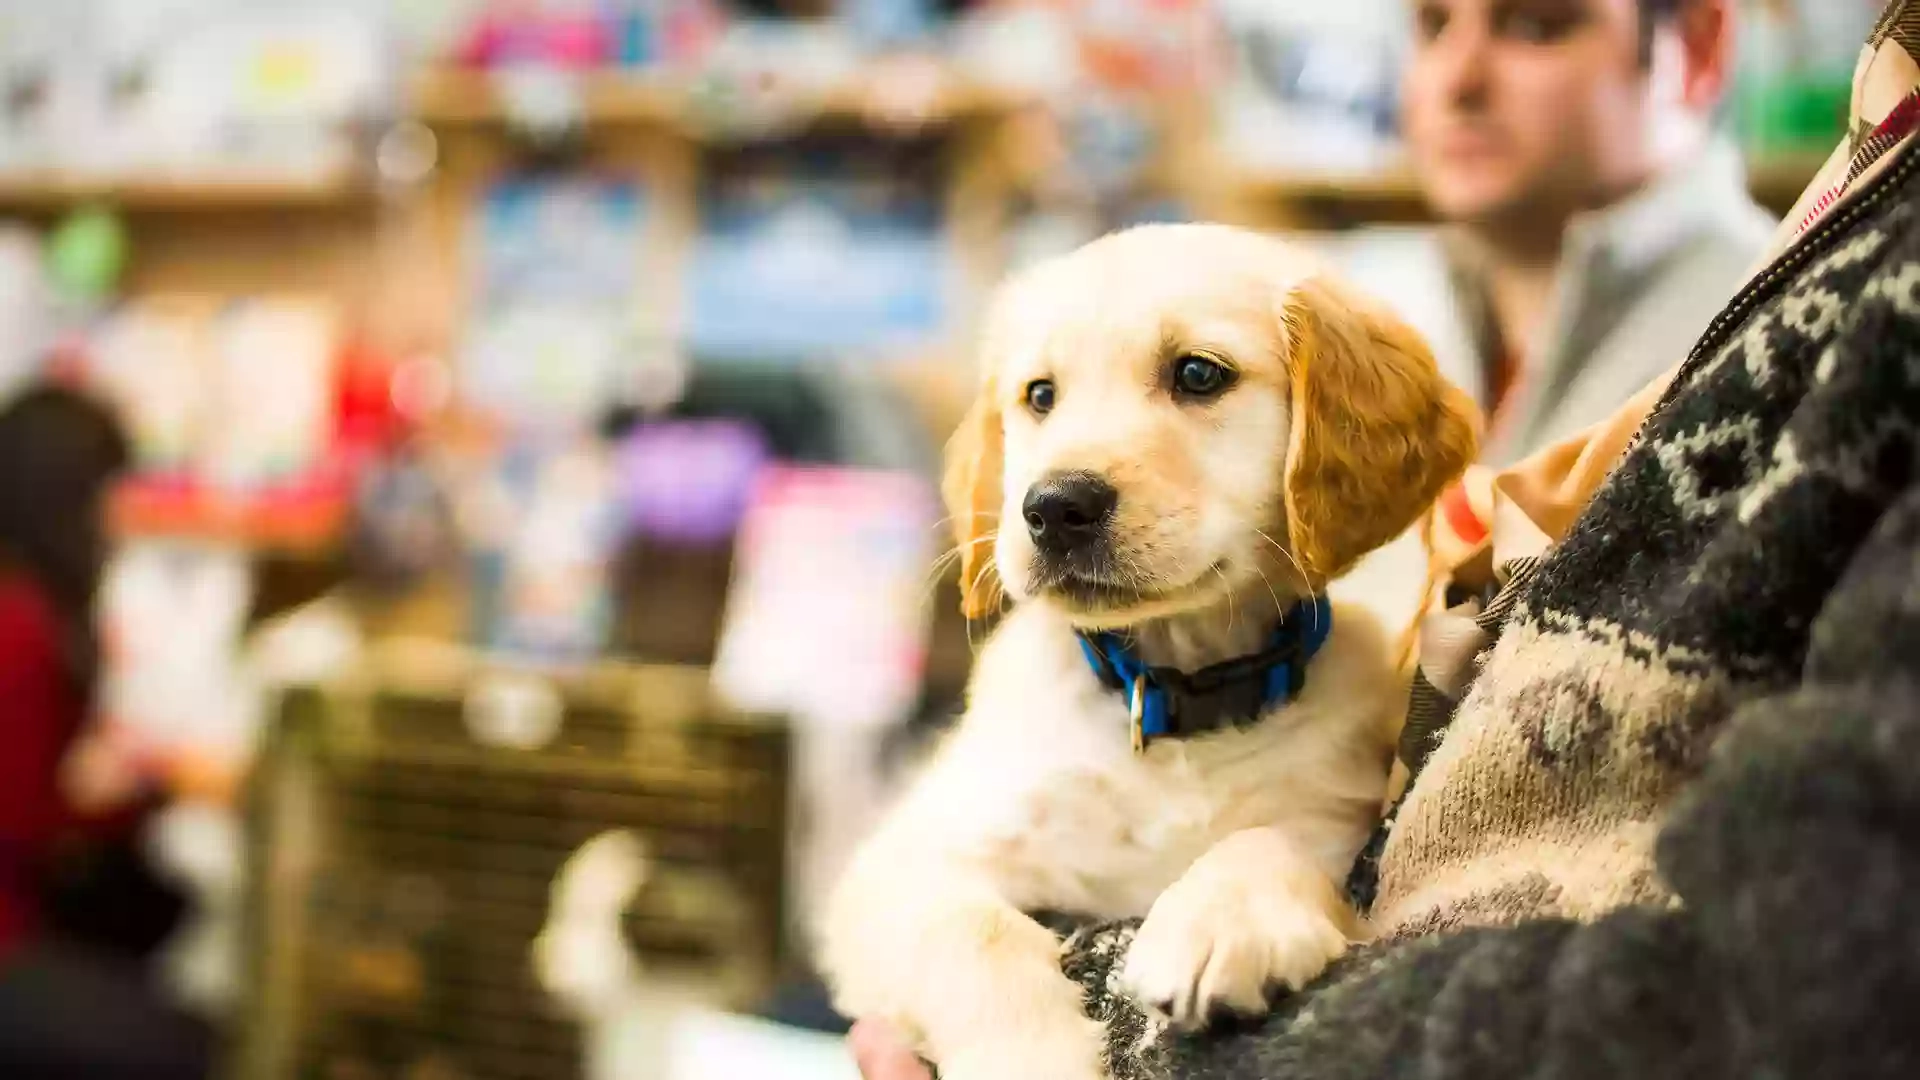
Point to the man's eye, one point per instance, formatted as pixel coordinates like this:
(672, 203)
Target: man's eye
(1040, 396)
(1199, 377)
(1429, 22)
(1534, 27)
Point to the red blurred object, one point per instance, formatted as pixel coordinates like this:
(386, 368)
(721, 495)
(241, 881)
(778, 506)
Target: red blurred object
(366, 423)
(522, 33)
(308, 515)
(303, 514)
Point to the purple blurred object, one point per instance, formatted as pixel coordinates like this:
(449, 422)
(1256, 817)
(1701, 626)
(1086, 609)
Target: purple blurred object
(688, 480)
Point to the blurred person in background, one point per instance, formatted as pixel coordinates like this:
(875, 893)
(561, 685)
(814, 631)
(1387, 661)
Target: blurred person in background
(80, 910)
(1594, 222)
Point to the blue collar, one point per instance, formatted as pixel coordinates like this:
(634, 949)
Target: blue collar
(1167, 702)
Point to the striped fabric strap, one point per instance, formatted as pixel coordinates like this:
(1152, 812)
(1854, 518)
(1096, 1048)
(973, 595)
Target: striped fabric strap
(1886, 135)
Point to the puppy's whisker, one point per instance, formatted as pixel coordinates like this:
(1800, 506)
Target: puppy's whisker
(993, 584)
(1277, 605)
(1222, 575)
(1304, 579)
(948, 521)
(936, 573)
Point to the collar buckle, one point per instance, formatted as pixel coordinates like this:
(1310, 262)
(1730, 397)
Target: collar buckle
(1230, 694)
(1138, 708)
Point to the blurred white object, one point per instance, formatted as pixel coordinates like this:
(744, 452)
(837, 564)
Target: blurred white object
(203, 848)
(1025, 49)
(26, 308)
(270, 382)
(312, 644)
(512, 710)
(173, 679)
(580, 955)
(582, 959)
(705, 1045)
(149, 359)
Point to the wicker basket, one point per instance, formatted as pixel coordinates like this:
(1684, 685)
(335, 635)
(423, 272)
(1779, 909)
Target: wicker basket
(405, 865)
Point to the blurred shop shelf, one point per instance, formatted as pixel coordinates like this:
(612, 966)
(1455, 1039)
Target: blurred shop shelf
(48, 192)
(306, 523)
(452, 97)
(1776, 181)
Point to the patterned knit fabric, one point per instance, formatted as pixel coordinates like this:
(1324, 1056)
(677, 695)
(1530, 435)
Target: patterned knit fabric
(1686, 589)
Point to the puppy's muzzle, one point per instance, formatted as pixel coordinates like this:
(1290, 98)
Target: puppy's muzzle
(1069, 515)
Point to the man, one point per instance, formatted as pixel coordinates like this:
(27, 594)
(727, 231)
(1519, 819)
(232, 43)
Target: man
(1593, 221)
(1662, 819)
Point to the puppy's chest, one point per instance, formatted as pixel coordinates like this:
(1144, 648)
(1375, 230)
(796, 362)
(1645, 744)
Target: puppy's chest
(1106, 836)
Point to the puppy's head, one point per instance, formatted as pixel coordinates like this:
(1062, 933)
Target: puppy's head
(1175, 413)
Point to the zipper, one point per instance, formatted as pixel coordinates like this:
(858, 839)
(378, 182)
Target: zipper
(1766, 285)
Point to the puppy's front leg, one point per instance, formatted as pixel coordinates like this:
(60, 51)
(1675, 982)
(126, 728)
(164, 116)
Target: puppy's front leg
(931, 946)
(1253, 912)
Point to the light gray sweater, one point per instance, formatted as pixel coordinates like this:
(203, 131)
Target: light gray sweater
(1638, 282)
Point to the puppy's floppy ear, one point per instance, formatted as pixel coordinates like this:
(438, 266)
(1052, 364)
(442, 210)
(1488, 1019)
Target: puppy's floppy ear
(971, 488)
(1376, 432)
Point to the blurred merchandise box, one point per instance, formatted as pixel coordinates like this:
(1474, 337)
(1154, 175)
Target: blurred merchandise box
(270, 401)
(820, 250)
(555, 278)
(541, 550)
(118, 89)
(233, 409)
(827, 618)
(151, 358)
(1312, 90)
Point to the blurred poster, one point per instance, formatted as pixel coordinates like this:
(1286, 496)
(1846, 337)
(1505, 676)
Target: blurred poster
(827, 617)
(271, 385)
(150, 358)
(553, 299)
(823, 251)
(542, 526)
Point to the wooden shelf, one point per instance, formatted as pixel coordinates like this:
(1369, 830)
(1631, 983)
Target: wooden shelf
(1776, 182)
(451, 97)
(52, 192)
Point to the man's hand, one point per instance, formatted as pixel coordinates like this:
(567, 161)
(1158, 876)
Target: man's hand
(881, 1055)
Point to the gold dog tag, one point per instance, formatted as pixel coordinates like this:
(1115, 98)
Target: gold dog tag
(1139, 714)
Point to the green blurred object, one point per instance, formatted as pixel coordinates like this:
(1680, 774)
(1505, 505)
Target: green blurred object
(87, 253)
(1795, 114)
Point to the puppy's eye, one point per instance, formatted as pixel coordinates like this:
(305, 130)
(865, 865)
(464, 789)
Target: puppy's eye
(1199, 377)
(1040, 396)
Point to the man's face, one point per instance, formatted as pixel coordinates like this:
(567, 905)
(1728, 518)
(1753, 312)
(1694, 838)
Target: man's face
(1521, 111)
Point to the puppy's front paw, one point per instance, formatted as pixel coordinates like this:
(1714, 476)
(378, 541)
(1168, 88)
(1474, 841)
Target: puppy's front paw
(1208, 947)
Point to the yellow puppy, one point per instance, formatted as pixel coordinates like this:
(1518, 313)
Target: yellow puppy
(1183, 434)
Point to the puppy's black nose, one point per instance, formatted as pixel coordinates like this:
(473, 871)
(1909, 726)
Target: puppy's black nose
(1067, 510)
